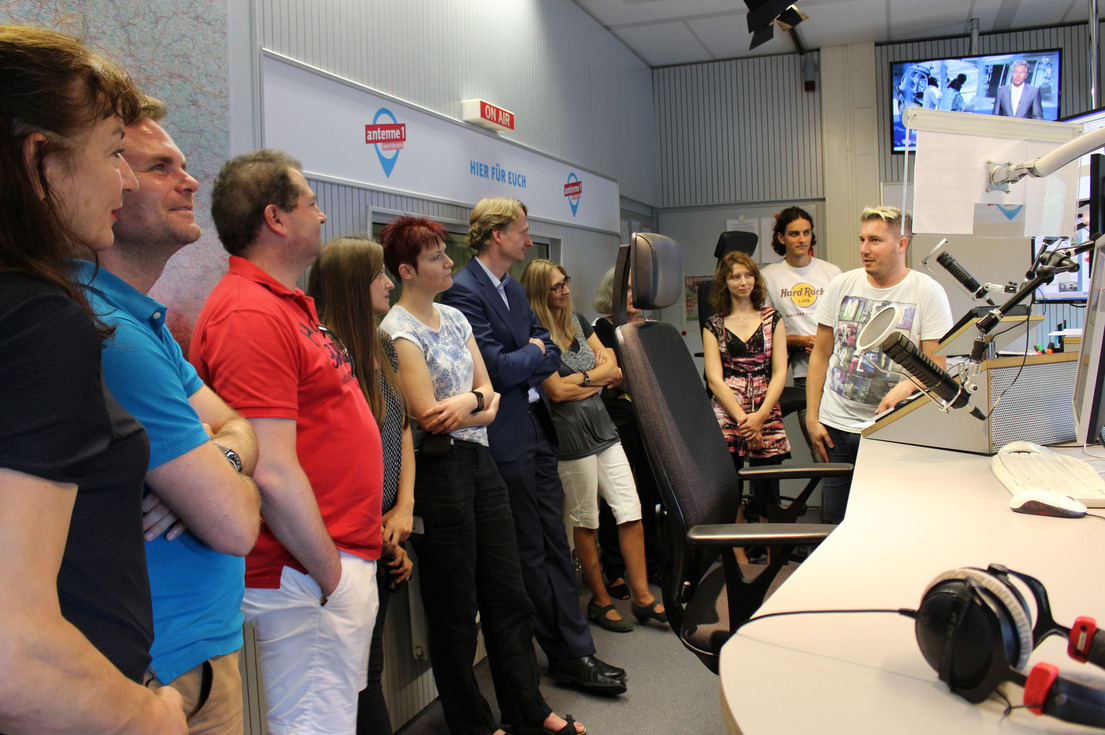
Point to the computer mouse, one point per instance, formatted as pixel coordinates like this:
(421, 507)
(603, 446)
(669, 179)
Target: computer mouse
(1047, 503)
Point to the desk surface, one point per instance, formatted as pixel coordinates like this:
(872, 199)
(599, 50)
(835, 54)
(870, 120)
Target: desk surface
(913, 513)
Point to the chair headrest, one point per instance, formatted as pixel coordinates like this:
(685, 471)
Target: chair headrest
(657, 271)
(740, 240)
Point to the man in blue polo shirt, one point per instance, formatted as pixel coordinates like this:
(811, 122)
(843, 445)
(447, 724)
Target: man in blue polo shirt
(195, 565)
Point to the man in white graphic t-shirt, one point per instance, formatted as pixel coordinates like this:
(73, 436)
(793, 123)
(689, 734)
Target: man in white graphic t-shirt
(794, 287)
(844, 388)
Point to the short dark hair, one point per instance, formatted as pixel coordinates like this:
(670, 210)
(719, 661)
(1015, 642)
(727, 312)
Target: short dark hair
(244, 187)
(783, 219)
(404, 239)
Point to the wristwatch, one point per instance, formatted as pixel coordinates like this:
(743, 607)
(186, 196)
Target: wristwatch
(479, 401)
(586, 379)
(231, 457)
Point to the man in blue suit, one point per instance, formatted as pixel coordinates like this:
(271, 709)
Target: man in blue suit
(519, 354)
(1018, 99)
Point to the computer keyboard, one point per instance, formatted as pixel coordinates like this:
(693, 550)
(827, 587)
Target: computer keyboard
(1023, 466)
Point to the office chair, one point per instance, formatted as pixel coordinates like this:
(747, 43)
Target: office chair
(698, 485)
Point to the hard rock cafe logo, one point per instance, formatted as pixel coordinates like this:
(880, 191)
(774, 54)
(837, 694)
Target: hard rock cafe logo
(803, 294)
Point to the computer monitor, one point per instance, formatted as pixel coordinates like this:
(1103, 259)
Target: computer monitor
(1089, 384)
(1069, 288)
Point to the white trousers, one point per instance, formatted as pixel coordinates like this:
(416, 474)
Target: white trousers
(606, 473)
(314, 657)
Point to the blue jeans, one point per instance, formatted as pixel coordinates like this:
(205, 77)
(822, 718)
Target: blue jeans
(834, 490)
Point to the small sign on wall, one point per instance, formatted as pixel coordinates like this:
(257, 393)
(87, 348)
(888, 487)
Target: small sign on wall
(482, 112)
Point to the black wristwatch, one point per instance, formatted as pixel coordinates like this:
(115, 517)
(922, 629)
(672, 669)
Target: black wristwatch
(586, 379)
(479, 401)
(231, 457)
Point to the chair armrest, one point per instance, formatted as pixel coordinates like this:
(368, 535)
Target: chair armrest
(759, 534)
(813, 470)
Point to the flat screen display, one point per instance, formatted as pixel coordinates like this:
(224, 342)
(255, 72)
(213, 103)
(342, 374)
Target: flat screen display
(1014, 85)
(1067, 287)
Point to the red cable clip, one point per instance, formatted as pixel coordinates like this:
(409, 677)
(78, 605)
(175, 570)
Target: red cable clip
(1038, 685)
(1081, 638)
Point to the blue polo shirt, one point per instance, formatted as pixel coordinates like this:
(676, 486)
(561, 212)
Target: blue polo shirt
(197, 592)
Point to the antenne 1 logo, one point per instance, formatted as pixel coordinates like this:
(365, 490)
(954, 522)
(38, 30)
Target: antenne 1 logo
(573, 190)
(386, 136)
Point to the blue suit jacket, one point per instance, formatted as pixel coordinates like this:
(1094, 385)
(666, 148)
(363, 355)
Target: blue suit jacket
(513, 363)
(1029, 106)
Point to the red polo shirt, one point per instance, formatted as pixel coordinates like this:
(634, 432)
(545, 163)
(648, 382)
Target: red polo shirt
(258, 346)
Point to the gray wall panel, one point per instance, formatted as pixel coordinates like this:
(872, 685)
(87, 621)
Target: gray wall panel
(738, 131)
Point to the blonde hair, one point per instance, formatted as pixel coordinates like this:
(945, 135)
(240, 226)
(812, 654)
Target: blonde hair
(893, 217)
(341, 285)
(490, 214)
(536, 278)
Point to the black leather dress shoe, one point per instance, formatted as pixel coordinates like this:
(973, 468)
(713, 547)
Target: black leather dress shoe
(589, 674)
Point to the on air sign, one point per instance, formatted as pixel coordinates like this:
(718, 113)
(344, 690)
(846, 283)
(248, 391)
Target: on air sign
(486, 114)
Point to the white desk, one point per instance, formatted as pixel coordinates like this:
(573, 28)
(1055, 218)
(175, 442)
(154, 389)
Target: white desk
(913, 513)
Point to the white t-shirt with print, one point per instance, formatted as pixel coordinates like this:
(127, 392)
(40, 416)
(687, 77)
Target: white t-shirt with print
(853, 385)
(795, 294)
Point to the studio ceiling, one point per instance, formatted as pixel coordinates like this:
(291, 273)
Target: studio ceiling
(667, 32)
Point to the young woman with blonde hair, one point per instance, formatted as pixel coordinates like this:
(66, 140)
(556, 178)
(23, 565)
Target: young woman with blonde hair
(592, 460)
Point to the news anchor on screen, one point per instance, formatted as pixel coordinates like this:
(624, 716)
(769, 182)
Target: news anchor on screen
(1018, 99)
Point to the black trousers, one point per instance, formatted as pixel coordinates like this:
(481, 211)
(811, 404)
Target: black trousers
(468, 562)
(373, 717)
(537, 504)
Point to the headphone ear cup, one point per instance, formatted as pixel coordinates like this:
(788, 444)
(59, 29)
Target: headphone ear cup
(965, 617)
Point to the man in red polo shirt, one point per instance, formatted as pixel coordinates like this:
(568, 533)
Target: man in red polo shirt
(310, 580)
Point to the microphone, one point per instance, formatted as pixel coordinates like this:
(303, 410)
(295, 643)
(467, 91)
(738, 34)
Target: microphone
(959, 273)
(880, 332)
(901, 350)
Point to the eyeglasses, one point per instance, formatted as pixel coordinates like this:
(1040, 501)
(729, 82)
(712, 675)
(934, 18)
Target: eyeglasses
(334, 338)
(559, 288)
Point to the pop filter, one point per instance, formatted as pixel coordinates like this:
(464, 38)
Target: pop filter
(878, 329)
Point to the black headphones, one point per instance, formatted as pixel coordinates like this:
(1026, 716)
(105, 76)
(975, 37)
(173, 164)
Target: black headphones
(975, 629)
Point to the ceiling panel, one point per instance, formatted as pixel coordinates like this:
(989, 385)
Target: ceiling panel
(665, 32)
(728, 37)
(663, 44)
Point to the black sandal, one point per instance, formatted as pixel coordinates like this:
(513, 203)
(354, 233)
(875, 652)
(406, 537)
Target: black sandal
(619, 591)
(568, 729)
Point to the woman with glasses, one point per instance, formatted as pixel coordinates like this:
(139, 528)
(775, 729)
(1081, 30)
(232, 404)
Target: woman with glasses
(592, 461)
(75, 623)
(467, 554)
(350, 289)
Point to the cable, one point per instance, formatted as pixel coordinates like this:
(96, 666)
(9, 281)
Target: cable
(1095, 515)
(1024, 360)
(909, 613)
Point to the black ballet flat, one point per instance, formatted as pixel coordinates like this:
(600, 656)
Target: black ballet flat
(644, 613)
(599, 614)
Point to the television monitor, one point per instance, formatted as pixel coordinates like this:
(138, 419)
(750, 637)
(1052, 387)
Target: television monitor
(1067, 288)
(968, 84)
(1089, 384)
